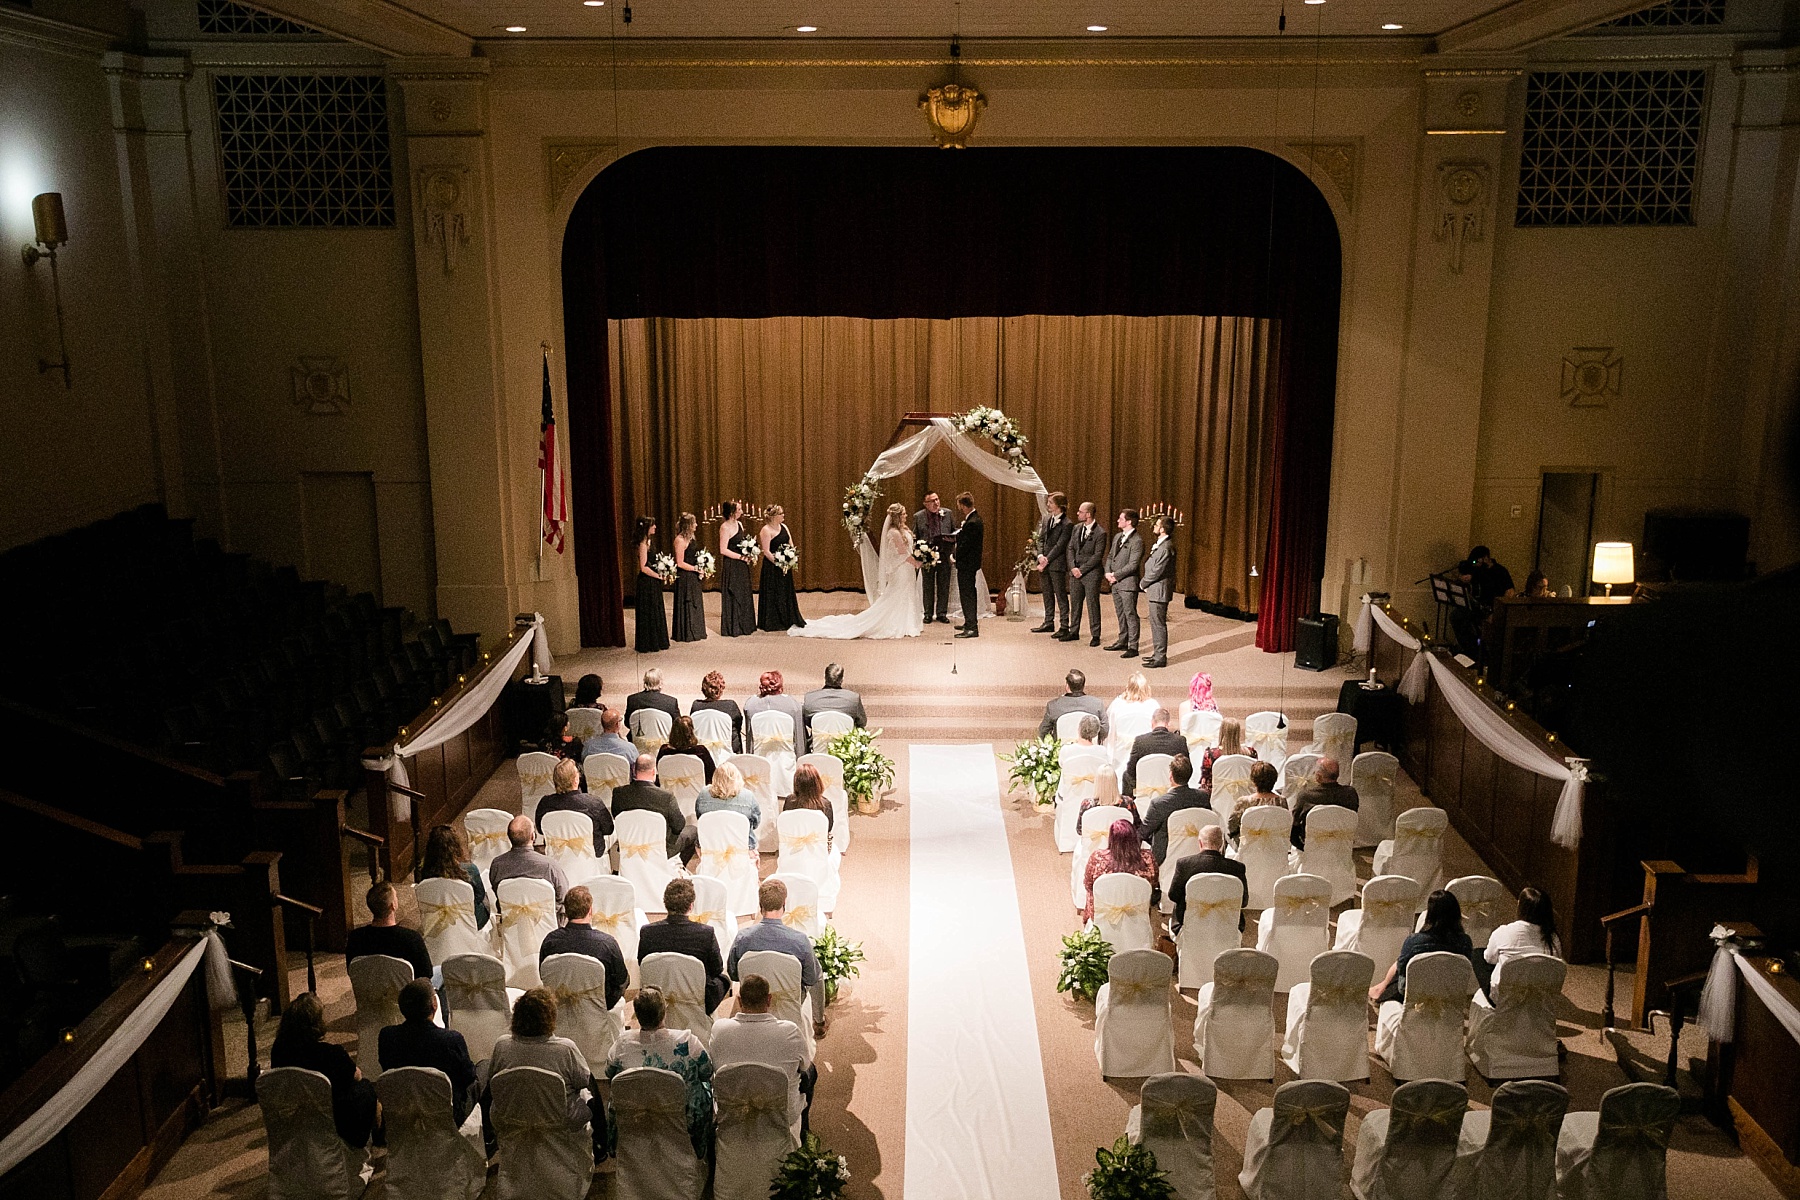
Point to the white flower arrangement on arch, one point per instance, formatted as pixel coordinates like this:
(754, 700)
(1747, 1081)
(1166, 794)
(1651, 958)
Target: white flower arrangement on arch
(859, 502)
(998, 428)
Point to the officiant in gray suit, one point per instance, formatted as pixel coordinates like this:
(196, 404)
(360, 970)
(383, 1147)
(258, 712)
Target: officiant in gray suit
(1053, 565)
(1124, 559)
(1158, 580)
(934, 526)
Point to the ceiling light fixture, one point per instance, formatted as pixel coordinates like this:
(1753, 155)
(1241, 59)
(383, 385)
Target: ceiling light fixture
(1096, 29)
(515, 29)
(1391, 25)
(1315, 1)
(593, 3)
(806, 28)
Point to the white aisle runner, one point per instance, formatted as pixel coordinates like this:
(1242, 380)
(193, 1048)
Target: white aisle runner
(977, 1117)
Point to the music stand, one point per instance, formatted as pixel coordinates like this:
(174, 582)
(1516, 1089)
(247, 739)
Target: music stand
(1449, 592)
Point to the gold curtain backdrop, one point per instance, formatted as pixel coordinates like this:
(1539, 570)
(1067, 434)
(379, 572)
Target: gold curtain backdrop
(1120, 410)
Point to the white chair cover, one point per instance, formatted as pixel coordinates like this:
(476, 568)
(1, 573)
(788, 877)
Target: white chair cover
(307, 1158)
(656, 1158)
(1267, 734)
(831, 774)
(682, 776)
(447, 918)
(713, 730)
(527, 914)
(1372, 774)
(1090, 834)
(772, 736)
(1209, 925)
(428, 1156)
(803, 911)
(1331, 849)
(825, 726)
(1328, 1019)
(1122, 911)
(1184, 839)
(604, 772)
(1379, 926)
(584, 723)
(725, 855)
(1200, 728)
(1132, 1033)
(542, 1156)
(616, 911)
(1068, 727)
(1406, 1152)
(1296, 926)
(569, 842)
(1486, 905)
(1294, 1151)
(1082, 769)
(1231, 783)
(1173, 1119)
(1125, 721)
(682, 978)
(752, 1133)
(1263, 845)
(1620, 1152)
(650, 730)
(712, 908)
(1296, 773)
(644, 855)
(579, 985)
(375, 981)
(759, 782)
(1416, 850)
(788, 998)
(1508, 1152)
(1334, 736)
(535, 781)
(485, 831)
(1234, 1016)
(1514, 1035)
(1422, 1038)
(806, 850)
(476, 1002)
(1153, 778)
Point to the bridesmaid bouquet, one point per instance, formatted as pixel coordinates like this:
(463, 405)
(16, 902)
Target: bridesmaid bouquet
(926, 555)
(786, 557)
(707, 563)
(750, 550)
(664, 565)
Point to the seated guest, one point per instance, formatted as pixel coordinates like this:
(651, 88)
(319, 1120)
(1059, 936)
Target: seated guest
(580, 937)
(1127, 716)
(610, 740)
(418, 1042)
(1537, 585)
(712, 691)
(447, 857)
(385, 935)
(809, 792)
(568, 797)
(682, 741)
(833, 697)
(1075, 699)
(1087, 731)
(558, 740)
(1324, 789)
(772, 933)
(1200, 696)
(533, 1043)
(770, 697)
(1441, 930)
(652, 697)
(1262, 778)
(677, 1050)
(1210, 860)
(1178, 797)
(726, 794)
(1231, 741)
(643, 794)
(587, 692)
(300, 1042)
(1126, 854)
(525, 860)
(1533, 933)
(1160, 740)
(756, 1035)
(677, 933)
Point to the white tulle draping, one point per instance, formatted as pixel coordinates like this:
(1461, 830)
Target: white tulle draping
(1718, 1001)
(1412, 681)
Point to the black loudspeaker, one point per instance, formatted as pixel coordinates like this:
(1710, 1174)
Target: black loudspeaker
(1315, 642)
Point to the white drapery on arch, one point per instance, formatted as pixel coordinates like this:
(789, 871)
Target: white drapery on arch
(907, 453)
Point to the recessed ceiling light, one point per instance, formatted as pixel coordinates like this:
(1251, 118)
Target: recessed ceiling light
(1391, 25)
(806, 29)
(594, 3)
(1096, 29)
(1315, 1)
(515, 29)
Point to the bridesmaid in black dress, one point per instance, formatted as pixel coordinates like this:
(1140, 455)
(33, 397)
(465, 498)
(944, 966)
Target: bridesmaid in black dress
(690, 609)
(780, 609)
(737, 606)
(652, 625)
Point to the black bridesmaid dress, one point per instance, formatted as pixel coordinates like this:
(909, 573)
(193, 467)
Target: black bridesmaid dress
(690, 609)
(780, 608)
(737, 604)
(652, 624)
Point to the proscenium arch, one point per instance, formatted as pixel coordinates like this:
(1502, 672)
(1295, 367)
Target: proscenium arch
(882, 232)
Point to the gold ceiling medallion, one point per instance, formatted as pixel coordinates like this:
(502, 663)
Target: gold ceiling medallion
(951, 110)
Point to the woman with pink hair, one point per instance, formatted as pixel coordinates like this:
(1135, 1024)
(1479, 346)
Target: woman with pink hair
(1200, 694)
(1125, 854)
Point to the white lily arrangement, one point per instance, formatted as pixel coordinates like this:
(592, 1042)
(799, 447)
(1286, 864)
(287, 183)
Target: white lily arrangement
(998, 428)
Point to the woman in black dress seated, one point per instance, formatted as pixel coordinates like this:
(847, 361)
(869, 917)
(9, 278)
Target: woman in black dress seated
(690, 609)
(652, 625)
(737, 605)
(780, 608)
(1441, 930)
(683, 741)
(713, 689)
(300, 1042)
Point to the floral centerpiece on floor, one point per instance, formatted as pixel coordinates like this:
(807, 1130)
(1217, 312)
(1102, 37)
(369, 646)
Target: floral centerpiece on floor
(859, 502)
(839, 959)
(810, 1173)
(786, 557)
(926, 555)
(751, 549)
(1126, 1172)
(1036, 765)
(709, 565)
(997, 428)
(867, 771)
(664, 565)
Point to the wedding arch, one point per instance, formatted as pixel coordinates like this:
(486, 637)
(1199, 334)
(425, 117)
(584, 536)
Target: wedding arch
(1009, 467)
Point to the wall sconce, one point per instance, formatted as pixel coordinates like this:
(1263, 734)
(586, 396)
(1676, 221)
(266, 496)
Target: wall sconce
(1612, 564)
(51, 231)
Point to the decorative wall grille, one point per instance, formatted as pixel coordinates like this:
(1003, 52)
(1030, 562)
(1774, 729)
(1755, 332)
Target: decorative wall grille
(1672, 14)
(240, 20)
(307, 151)
(1610, 147)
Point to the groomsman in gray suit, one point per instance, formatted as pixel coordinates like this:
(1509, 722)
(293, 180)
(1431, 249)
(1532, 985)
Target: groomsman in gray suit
(1087, 553)
(1158, 581)
(1053, 565)
(1123, 561)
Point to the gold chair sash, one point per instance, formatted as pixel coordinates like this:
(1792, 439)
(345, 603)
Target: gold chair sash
(633, 1107)
(1114, 914)
(722, 855)
(1339, 996)
(483, 837)
(1320, 1117)
(463, 993)
(798, 917)
(568, 845)
(288, 1108)
(1442, 1122)
(1416, 841)
(1240, 991)
(1232, 789)
(417, 1123)
(743, 1108)
(1527, 994)
(1319, 836)
(1636, 1131)
(706, 918)
(441, 917)
(1132, 990)
(1387, 912)
(756, 782)
(568, 995)
(1299, 908)
(1079, 780)
(1478, 912)
(774, 741)
(681, 781)
(1199, 910)
(641, 849)
(614, 923)
(1258, 835)
(717, 745)
(804, 841)
(535, 910)
(535, 780)
(1381, 779)
(1187, 1118)
(1436, 1008)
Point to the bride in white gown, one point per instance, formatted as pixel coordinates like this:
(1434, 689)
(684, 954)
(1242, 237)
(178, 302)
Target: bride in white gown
(897, 610)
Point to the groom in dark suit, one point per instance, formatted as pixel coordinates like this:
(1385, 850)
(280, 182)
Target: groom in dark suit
(933, 526)
(968, 561)
(1053, 565)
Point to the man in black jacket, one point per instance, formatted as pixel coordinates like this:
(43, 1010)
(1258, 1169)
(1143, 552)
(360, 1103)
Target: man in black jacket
(679, 934)
(1053, 564)
(416, 1042)
(1160, 740)
(642, 793)
(968, 561)
(1323, 788)
(569, 798)
(1156, 817)
(385, 935)
(652, 697)
(580, 937)
(1210, 861)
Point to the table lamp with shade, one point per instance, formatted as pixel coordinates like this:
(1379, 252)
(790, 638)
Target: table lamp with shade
(1612, 564)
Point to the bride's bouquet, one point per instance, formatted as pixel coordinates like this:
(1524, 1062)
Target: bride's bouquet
(664, 565)
(708, 564)
(786, 557)
(926, 555)
(751, 550)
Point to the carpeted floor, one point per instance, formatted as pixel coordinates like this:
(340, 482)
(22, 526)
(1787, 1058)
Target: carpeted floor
(991, 689)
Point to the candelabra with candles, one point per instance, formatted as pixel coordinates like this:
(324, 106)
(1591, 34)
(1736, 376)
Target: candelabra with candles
(748, 512)
(1148, 513)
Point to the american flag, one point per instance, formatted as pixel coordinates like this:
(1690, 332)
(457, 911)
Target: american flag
(556, 501)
